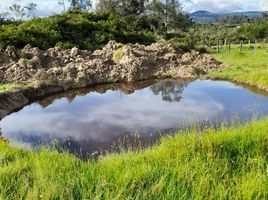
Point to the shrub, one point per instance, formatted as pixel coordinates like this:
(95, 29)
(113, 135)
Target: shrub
(81, 29)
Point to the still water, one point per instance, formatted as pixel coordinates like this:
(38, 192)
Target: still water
(105, 118)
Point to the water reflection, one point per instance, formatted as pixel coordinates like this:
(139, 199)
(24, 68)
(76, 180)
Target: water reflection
(108, 117)
(170, 90)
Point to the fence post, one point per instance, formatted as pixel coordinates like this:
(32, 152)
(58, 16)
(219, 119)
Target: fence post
(218, 46)
(229, 47)
(241, 46)
(255, 47)
(249, 42)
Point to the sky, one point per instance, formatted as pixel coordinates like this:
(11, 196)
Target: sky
(48, 7)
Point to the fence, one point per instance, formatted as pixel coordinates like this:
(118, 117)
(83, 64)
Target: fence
(227, 44)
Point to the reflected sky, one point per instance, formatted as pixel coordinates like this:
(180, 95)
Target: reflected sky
(91, 121)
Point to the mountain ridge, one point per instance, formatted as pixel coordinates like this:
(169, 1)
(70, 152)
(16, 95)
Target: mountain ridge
(204, 16)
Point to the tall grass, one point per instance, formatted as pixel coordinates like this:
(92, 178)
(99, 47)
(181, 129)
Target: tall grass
(244, 66)
(230, 163)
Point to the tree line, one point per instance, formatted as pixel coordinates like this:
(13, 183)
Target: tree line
(165, 13)
(81, 25)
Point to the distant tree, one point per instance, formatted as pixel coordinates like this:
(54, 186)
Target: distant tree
(4, 16)
(18, 11)
(166, 10)
(80, 4)
(265, 15)
(122, 7)
(63, 4)
(30, 8)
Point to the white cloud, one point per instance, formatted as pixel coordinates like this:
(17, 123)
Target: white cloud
(263, 5)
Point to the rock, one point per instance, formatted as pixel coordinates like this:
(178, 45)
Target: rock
(2, 74)
(74, 52)
(12, 51)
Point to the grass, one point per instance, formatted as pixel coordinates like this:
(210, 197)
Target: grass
(230, 163)
(118, 54)
(244, 67)
(5, 87)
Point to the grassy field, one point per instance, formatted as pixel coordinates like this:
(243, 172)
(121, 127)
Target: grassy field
(4, 87)
(230, 163)
(244, 67)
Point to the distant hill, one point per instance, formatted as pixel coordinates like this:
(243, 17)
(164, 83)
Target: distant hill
(203, 16)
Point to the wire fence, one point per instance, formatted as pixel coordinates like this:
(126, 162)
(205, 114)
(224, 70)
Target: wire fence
(229, 46)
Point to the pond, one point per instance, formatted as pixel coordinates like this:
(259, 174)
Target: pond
(106, 118)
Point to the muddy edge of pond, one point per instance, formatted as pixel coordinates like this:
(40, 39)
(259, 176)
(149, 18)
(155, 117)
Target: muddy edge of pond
(56, 70)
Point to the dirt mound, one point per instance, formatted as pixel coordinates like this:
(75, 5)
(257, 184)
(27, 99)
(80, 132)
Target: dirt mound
(76, 68)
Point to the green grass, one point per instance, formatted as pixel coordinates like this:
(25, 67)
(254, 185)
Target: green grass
(230, 163)
(244, 67)
(5, 87)
(118, 54)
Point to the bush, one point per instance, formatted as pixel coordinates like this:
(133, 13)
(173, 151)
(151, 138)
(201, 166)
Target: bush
(81, 29)
(202, 49)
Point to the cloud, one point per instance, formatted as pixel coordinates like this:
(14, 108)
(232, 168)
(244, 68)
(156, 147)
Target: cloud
(263, 5)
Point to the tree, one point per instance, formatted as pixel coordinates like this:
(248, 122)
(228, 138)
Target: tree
(3, 16)
(166, 10)
(80, 4)
(18, 11)
(30, 9)
(63, 4)
(122, 7)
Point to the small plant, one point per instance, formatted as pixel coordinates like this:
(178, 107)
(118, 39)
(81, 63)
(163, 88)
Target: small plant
(22, 62)
(202, 49)
(112, 79)
(64, 45)
(118, 54)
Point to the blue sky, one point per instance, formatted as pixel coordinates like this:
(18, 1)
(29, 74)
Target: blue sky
(47, 7)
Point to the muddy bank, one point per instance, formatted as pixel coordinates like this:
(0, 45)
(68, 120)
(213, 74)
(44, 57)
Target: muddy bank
(57, 70)
(14, 100)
